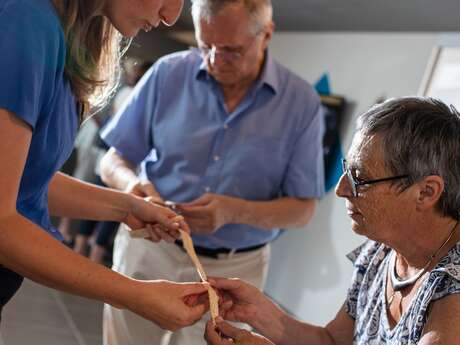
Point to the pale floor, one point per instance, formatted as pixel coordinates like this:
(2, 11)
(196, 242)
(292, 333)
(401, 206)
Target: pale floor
(39, 315)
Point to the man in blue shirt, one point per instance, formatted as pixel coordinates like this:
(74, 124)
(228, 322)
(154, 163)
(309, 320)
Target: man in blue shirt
(230, 136)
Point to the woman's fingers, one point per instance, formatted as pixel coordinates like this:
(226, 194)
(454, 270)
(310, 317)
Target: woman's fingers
(164, 233)
(153, 236)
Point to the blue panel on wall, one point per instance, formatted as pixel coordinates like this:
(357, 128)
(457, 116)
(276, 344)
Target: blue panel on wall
(322, 85)
(332, 147)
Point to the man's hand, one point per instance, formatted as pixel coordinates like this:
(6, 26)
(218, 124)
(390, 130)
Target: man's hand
(209, 212)
(226, 334)
(144, 189)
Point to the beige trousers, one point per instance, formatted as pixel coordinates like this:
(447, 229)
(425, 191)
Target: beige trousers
(142, 259)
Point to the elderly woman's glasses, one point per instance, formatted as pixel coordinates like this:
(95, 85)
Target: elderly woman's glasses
(354, 184)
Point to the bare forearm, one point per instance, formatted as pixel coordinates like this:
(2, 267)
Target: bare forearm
(69, 197)
(282, 329)
(30, 251)
(279, 213)
(117, 172)
(301, 333)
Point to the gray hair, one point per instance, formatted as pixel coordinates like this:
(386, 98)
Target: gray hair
(420, 137)
(260, 11)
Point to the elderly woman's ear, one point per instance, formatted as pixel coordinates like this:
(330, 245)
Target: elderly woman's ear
(429, 191)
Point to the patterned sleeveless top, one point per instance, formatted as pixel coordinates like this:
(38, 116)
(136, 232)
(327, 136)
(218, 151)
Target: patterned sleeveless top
(366, 301)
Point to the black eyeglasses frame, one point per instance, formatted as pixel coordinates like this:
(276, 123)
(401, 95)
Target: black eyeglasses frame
(355, 184)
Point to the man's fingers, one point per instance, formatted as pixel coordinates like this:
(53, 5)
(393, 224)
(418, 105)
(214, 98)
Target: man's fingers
(150, 191)
(202, 200)
(197, 212)
(155, 200)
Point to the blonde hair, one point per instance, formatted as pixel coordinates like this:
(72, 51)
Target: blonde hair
(94, 50)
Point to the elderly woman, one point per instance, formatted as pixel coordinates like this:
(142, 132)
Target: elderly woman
(401, 182)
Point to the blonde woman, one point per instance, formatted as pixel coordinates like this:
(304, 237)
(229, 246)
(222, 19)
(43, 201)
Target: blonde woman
(59, 62)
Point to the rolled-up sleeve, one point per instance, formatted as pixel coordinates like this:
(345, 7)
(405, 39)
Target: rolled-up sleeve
(304, 177)
(129, 132)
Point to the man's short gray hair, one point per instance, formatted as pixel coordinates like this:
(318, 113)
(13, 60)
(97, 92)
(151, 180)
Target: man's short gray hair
(260, 11)
(420, 137)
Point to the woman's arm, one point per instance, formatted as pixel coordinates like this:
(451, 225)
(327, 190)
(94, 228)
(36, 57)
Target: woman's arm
(30, 251)
(70, 197)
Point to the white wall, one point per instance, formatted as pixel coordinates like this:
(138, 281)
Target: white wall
(309, 273)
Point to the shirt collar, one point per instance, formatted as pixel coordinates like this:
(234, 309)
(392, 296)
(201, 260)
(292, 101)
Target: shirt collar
(268, 76)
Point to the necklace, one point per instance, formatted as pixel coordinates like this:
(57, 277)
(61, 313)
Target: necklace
(399, 283)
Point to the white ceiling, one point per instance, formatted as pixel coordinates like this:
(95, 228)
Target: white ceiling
(358, 15)
(321, 15)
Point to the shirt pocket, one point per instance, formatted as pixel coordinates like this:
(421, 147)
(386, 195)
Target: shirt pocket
(259, 166)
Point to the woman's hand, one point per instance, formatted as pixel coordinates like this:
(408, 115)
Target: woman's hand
(161, 222)
(170, 305)
(226, 334)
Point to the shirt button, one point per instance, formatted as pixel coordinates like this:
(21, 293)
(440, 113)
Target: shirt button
(216, 158)
(207, 189)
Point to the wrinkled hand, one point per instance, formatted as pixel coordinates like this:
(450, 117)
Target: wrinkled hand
(209, 212)
(161, 222)
(170, 305)
(226, 334)
(240, 301)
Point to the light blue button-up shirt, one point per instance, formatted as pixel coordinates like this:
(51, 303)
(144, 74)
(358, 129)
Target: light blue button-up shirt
(177, 128)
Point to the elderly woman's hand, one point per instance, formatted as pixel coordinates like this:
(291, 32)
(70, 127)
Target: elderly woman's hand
(240, 301)
(226, 334)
